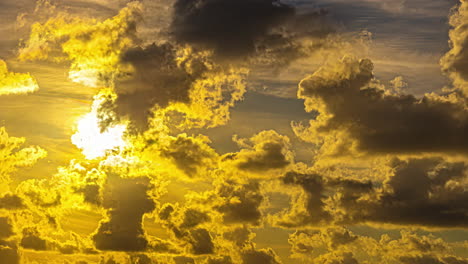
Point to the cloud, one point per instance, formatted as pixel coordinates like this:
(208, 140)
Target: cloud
(126, 201)
(407, 247)
(262, 256)
(185, 85)
(201, 241)
(12, 156)
(357, 115)
(11, 202)
(264, 151)
(164, 75)
(9, 252)
(219, 260)
(426, 192)
(32, 240)
(16, 83)
(454, 61)
(190, 154)
(238, 29)
(94, 48)
(183, 260)
(166, 88)
(341, 258)
(239, 203)
(6, 229)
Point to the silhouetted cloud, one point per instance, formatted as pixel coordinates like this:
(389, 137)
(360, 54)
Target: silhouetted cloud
(355, 113)
(126, 201)
(236, 29)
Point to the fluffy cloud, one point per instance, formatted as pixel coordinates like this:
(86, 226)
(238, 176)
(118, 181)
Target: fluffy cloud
(15, 83)
(242, 28)
(12, 156)
(107, 54)
(265, 151)
(263, 256)
(355, 114)
(126, 200)
(408, 247)
(455, 61)
(185, 85)
(94, 48)
(428, 192)
(188, 81)
(190, 154)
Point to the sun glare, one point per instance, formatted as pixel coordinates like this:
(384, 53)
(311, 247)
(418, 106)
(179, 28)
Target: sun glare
(93, 142)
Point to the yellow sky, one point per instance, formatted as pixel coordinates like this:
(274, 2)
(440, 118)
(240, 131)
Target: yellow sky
(233, 132)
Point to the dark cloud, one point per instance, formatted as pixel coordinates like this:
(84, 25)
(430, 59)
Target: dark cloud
(235, 29)
(165, 74)
(230, 27)
(188, 153)
(32, 239)
(193, 218)
(343, 258)
(6, 229)
(422, 192)
(240, 202)
(185, 225)
(350, 101)
(262, 256)
(429, 259)
(239, 236)
(219, 260)
(183, 260)
(91, 193)
(454, 62)
(157, 80)
(11, 202)
(9, 253)
(140, 259)
(264, 151)
(314, 188)
(334, 245)
(126, 201)
(201, 241)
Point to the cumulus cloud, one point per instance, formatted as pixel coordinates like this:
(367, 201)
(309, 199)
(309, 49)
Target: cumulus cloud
(190, 154)
(428, 192)
(11, 202)
(126, 201)
(9, 252)
(32, 239)
(242, 28)
(185, 84)
(94, 48)
(191, 80)
(237, 202)
(8, 249)
(262, 256)
(408, 247)
(454, 61)
(16, 83)
(356, 114)
(265, 151)
(107, 54)
(13, 156)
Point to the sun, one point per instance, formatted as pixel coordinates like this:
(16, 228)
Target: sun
(92, 140)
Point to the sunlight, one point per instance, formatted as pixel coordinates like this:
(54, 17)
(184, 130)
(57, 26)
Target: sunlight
(93, 142)
(91, 139)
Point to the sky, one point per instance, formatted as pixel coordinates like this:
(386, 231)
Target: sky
(233, 131)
